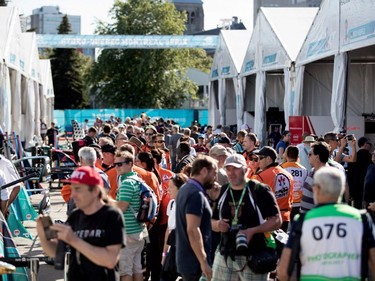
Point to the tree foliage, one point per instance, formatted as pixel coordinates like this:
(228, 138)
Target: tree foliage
(67, 74)
(153, 78)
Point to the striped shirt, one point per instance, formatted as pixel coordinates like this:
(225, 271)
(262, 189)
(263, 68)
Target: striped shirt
(129, 192)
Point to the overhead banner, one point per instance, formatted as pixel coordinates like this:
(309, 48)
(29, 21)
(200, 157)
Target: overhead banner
(127, 41)
(357, 24)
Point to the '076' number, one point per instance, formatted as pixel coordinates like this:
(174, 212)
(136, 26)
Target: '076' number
(326, 231)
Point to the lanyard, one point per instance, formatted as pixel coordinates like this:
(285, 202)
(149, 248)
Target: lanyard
(236, 208)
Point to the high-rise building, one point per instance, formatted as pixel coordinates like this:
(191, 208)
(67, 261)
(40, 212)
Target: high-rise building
(46, 20)
(283, 3)
(194, 14)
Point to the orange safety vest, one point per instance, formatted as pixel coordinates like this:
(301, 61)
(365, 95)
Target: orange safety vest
(281, 183)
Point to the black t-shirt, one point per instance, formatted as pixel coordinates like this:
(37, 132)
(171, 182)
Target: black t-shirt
(191, 200)
(104, 228)
(247, 215)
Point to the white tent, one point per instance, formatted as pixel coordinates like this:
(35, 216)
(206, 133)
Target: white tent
(10, 46)
(47, 90)
(31, 126)
(224, 90)
(267, 78)
(357, 46)
(339, 62)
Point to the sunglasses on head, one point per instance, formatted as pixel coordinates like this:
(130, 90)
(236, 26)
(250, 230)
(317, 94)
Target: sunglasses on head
(119, 164)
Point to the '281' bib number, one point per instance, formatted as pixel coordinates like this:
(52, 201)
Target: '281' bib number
(328, 229)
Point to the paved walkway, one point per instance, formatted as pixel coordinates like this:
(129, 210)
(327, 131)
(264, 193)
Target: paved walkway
(32, 248)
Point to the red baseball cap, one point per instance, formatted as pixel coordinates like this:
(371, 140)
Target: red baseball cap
(85, 175)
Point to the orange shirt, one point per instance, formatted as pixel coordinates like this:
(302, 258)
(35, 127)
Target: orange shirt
(281, 183)
(165, 175)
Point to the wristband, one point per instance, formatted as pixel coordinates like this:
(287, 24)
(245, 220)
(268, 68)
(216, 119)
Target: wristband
(164, 254)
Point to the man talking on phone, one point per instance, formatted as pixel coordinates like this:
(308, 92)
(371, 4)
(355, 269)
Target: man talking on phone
(94, 231)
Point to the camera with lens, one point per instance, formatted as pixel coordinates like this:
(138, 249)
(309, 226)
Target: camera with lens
(349, 137)
(241, 239)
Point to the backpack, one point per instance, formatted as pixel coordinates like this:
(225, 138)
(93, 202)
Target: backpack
(148, 202)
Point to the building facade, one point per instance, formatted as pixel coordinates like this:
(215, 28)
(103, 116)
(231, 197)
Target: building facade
(194, 14)
(46, 20)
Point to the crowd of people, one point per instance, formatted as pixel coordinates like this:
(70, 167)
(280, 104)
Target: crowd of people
(215, 188)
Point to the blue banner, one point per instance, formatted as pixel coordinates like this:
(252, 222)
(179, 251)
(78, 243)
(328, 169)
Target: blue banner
(184, 117)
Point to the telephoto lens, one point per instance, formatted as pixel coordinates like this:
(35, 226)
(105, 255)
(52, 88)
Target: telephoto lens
(241, 244)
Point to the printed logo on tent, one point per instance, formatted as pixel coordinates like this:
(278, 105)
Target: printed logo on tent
(16, 232)
(225, 70)
(249, 65)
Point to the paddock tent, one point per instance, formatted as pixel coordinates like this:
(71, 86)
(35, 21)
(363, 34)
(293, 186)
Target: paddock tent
(47, 90)
(357, 45)
(10, 63)
(224, 87)
(317, 80)
(277, 38)
(33, 97)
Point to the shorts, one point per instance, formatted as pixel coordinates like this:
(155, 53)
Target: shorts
(231, 271)
(130, 256)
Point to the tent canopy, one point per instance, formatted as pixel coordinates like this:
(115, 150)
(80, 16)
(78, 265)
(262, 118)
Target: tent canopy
(229, 54)
(357, 24)
(277, 38)
(10, 43)
(322, 40)
(30, 56)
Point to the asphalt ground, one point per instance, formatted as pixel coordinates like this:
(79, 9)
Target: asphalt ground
(32, 248)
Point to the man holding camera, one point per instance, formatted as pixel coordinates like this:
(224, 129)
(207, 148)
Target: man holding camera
(338, 143)
(237, 218)
(94, 231)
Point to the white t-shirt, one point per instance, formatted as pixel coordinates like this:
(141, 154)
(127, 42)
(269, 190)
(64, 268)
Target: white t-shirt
(171, 212)
(10, 174)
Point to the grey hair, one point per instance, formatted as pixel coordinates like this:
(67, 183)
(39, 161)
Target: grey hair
(87, 155)
(331, 181)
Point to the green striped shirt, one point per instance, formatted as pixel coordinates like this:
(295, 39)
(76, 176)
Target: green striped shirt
(129, 192)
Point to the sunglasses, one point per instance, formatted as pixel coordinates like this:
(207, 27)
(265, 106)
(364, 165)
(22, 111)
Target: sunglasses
(149, 134)
(119, 164)
(262, 157)
(160, 141)
(255, 159)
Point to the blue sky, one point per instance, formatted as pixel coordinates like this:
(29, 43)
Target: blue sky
(215, 10)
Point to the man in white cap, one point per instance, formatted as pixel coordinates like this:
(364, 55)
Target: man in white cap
(303, 151)
(236, 214)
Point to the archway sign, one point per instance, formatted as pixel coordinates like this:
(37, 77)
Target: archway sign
(127, 41)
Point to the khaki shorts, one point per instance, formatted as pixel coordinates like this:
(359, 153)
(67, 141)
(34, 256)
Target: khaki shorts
(130, 256)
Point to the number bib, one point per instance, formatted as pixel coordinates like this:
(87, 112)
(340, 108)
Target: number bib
(331, 243)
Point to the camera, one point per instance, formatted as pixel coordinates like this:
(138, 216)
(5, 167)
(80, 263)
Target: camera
(349, 137)
(49, 233)
(241, 239)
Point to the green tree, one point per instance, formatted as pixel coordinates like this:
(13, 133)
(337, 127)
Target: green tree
(153, 78)
(68, 74)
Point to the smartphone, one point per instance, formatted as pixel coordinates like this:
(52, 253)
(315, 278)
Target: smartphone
(47, 222)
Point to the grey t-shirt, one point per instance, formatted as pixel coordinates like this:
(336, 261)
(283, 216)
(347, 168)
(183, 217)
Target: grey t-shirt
(191, 200)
